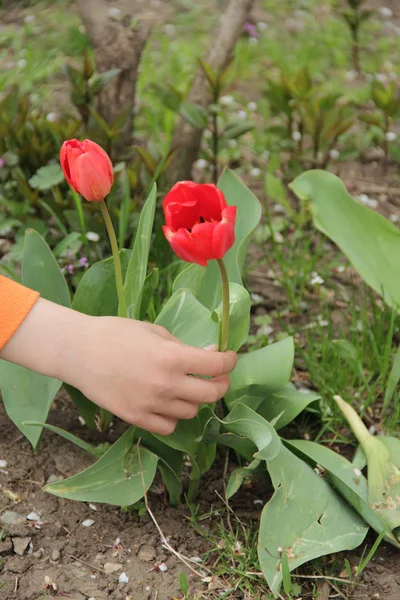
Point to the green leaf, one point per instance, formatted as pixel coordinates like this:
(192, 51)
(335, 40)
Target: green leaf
(96, 294)
(235, 130)
(98, 81)
(47, 177)
(194, 114)
(345, 478)
(306, 525)
(285, 405)
(209, 72)
(239, 316)
(41, 272)
(115, 478)
(66, 435)
(188, 320)
(150, 285)
(237, 477)
(190, 278)
(261, 373)
(137, 267)
(28, 395)
(71, 243)
(371, 242)
(170, 97)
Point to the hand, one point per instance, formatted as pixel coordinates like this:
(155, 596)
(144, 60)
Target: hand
(136, 370)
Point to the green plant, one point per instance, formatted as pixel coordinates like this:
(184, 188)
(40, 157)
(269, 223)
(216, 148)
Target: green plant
(386, 100)
(355, 16)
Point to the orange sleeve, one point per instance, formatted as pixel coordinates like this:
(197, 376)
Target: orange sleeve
(15, 303)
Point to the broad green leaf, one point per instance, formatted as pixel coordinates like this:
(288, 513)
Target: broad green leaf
(237, 477)
(137, 268)
(194, 114)
(345, 478)
(371, 242)
(41, 272)
(243, 421)
(239, 316)
(260, 373)
(66, 435)
(47, 177)
(285, 405)
(96, 294)
(28, 395)
(234, 130)
(189, 278)
(116, 478)
(305, 524)
(248, 216)
(188, 320)
(150, 285)
(170, 462)
(86, 408)
(98, 81)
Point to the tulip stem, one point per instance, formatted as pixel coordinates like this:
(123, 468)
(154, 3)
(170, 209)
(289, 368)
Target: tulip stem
(223, 343)
(122, 312)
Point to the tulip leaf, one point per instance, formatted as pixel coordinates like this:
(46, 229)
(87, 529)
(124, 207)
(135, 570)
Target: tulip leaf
(239, 316)
(96, 294)
(346, 479)
(238, 475)
(137, 268)
(304, 525)
(188, 320)
(190, 278)
(28, 396)
(261, 373)
(116, 478)
(285, 405)
(370, 242)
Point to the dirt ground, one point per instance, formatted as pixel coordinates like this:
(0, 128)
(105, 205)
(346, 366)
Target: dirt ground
(56, 548)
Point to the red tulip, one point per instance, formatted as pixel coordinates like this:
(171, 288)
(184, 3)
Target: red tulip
(200, 226)
(87, 168)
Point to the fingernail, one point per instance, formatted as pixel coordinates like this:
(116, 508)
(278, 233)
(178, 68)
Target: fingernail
(211, 347)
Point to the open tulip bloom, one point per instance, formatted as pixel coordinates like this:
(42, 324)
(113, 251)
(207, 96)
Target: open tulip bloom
(200, 226)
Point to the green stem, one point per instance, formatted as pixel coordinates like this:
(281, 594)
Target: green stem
(122, 312)
(225, 306)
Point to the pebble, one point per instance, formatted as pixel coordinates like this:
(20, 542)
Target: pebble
(20, 544)
(52, 479)
(88, 523)
(147, 553)
(55, 555)
(3, 464)
(123, 578)
(12, 518)
(110, 568)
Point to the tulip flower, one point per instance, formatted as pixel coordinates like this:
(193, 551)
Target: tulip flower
(200, 226)
(87, 168)
(89, 171)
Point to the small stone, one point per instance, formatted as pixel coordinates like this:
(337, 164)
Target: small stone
(55, 555)
(123, 578)
(52, 479)
(147, 553)
(110, 568)
(12, 518)
(163, 567)
(3, 464)
(20, 544)
(87, 523)
(33, 516)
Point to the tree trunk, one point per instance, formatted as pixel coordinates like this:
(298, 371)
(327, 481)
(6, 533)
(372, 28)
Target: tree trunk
(116, 46)
(187, 139)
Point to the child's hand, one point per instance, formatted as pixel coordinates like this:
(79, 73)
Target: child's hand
(136, 370)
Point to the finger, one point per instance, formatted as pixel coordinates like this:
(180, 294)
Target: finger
(201, 391)
(178, 409)
(204, 362)
(156, 423)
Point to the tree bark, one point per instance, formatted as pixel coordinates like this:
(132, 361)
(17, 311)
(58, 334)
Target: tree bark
(116, 46)
(187, 139)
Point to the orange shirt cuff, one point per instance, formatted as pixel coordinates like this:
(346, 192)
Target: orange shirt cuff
(15, 303)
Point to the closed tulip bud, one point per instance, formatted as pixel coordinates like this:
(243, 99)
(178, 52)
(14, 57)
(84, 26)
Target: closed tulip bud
(87, 168)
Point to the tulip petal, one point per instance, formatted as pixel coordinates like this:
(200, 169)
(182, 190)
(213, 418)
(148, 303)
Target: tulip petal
(178, 215)
(91, 176)
(211, 201)
(183, 245)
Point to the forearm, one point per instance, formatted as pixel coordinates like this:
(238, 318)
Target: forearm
(47, 339)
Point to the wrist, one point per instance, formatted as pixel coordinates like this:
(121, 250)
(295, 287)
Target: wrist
(47, 341)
